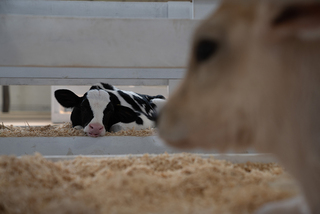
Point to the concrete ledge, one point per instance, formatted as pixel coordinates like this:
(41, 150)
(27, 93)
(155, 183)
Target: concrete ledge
(66, 148)
(112, 145)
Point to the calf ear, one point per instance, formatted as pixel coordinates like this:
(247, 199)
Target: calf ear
(301, 19)
(125, 114)
(67, 98)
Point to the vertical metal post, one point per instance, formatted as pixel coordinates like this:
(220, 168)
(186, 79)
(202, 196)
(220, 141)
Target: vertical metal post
(6, 98)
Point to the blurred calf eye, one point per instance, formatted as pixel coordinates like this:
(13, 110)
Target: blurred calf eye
(205, 49)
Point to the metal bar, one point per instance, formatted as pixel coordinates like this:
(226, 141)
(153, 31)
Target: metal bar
(133, 82)
(87, 76)
(145, 10)
(91, 73)
(6, 99)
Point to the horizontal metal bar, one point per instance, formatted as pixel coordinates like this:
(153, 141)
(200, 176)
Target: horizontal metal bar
(87, 76)
(133, 82)
(180, 10)
(85, 8)
(91, 73)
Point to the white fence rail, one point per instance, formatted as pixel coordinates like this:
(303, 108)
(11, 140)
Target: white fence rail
(142, 10)
(94, 42)
(83, 42)
(76, 43)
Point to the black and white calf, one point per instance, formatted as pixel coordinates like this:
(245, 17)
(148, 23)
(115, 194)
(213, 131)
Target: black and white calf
(107, 108)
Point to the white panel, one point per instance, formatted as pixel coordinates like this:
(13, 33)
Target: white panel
(45, 81)
(180, 10)
(86, 8)
(91, 73)
(87, 76)
(177, 10)
(203, 8)
(173, 85)
(94, 42)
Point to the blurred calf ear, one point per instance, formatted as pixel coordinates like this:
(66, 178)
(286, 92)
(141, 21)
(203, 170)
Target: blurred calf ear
(67, 98)
(301, 19)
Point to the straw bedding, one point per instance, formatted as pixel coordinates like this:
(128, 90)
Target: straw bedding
(181, 183)
(64, 130)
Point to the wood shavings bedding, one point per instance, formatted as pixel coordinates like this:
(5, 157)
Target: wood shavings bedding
(64, 130)
(181, 183)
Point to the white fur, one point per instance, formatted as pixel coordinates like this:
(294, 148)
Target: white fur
(98, 100)
(122, 101)
(124, 126)
(296, 205)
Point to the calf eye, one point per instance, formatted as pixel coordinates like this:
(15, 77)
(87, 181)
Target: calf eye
(205, 49)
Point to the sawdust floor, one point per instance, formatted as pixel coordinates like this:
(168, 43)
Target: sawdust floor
(181, 183)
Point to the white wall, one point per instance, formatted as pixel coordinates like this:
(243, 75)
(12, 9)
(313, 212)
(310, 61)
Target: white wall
(29, 98)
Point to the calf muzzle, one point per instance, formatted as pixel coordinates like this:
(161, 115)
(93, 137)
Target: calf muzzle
(95, 129)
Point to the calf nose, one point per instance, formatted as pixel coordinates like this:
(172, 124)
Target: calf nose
(95, 129)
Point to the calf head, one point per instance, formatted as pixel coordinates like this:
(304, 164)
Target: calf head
(253, 76)
(95, 111)
(254, 80)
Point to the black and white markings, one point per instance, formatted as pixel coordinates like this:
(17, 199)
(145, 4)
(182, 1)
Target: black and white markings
(107, 108)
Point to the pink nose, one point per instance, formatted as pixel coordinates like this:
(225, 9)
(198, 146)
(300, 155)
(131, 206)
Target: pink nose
(95, 129)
